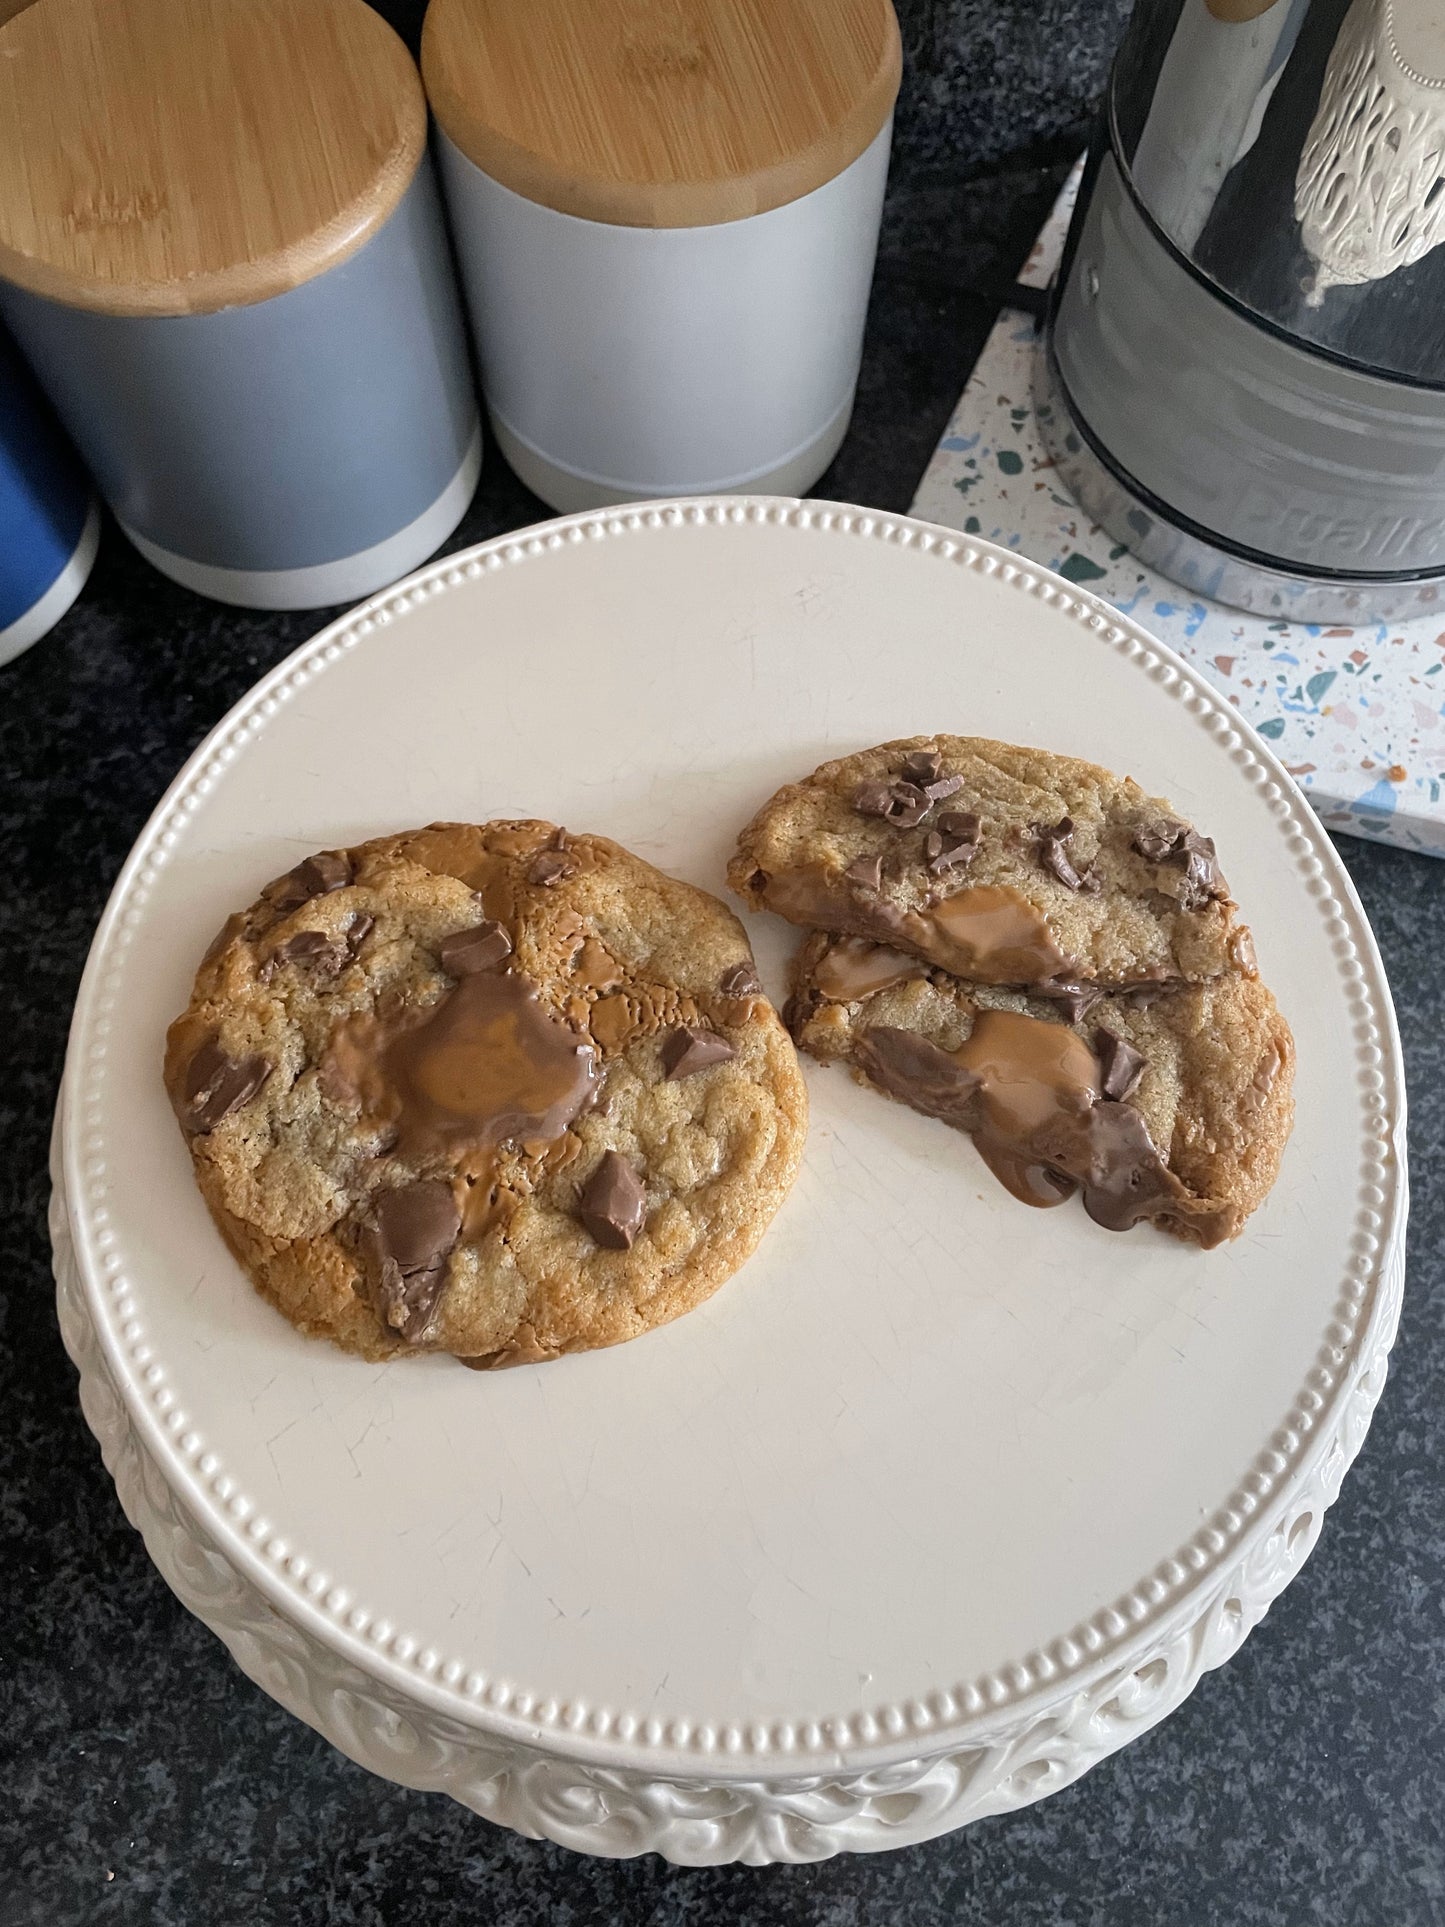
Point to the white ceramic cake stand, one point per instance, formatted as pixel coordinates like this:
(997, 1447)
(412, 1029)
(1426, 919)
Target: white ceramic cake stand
(936, 1503)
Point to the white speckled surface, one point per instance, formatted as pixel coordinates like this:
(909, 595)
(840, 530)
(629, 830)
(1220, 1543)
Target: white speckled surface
(1356, 715)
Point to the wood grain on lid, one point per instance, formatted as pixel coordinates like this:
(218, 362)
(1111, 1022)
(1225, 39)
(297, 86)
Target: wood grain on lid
(661, 113)
(1238, 11)
(179, 156)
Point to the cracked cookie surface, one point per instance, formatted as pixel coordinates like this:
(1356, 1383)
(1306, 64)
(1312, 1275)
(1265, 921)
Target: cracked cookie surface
(490, 1090)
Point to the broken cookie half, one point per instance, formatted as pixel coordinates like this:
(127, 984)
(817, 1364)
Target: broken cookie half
(1172, 1109)
(1003, 864)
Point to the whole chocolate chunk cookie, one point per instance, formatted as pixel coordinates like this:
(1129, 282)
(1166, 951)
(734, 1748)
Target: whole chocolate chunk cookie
(491, 1090)
(1002, 864)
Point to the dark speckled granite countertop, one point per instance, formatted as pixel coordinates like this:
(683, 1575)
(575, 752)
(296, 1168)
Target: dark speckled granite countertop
(144, 1780)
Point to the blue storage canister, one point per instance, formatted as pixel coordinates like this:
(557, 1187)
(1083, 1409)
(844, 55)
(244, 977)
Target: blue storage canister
(222, 252)
(49, 524)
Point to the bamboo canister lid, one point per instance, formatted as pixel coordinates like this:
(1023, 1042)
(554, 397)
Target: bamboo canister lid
(180, 156)
(661, 113)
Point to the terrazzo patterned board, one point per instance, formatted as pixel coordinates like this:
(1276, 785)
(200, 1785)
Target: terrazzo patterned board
(1357, 715)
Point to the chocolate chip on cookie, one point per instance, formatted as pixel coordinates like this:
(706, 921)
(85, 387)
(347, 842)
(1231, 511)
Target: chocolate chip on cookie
(415, 1229)
(417, 1223)
(924, 769)
(465, 952)
(909, 805)
(1055, 855)
(1120, 1065)
(549, 867)
(688, 1050)
(952, 844)
(558, 860)
(1157, 842)
(740, 980)
(874, 798)
(214, 1084)
(866, 872)
(1169, 841)
(918, 1071)
(922, 766)
(310, 947)
(318, 876)
(898, 801)
(612, 1203)
(1203, 878)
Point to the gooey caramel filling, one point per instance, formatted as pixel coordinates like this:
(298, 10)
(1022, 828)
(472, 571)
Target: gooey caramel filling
(486, 1065)
(853, 968)
(987, 931)
(1028, 1092)
(999, 937)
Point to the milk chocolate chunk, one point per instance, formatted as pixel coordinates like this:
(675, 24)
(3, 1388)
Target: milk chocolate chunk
(417, 1224)
(612, 1203)
(909, 805)
(550, 866)
(1126, 1179)
(944, 786)
(358, 930)
(214, 1085)
(874, 798)
(1029, 1093)
(953, 843)
(923, 766)
(740, 980)
(311, 947)
(962, 826)
(1055, 857)
(866, 872)
(1157, 842)
(689, 1049)
(902, 802)
(328, 870)
(1170, 841)
(1075, 1000)
(406, 1301)
(1120, 1065)
(1202, 876)
(911, 1068)
(465, 952)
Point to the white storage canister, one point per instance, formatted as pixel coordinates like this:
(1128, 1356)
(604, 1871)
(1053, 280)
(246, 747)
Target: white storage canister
(666, 214)
(221, 249)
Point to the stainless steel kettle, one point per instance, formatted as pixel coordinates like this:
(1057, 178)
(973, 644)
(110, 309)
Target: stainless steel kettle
(1243, 372)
